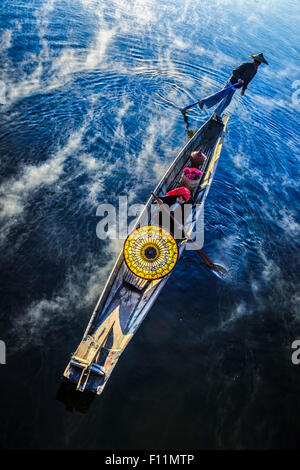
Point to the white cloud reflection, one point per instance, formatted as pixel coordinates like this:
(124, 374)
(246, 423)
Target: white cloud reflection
(158, 46)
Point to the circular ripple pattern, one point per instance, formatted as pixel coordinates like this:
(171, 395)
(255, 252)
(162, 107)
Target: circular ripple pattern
(150, 252)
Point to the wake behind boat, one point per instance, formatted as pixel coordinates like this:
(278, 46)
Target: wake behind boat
(130, 290)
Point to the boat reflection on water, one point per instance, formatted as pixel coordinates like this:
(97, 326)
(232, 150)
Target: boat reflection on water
(72, 399)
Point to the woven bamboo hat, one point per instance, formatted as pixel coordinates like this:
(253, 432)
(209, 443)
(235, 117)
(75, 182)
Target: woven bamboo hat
(259, 57)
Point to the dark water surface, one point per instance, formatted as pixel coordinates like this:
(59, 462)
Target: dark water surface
(90, 114)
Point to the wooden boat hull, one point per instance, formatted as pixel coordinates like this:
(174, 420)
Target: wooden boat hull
(126, 299)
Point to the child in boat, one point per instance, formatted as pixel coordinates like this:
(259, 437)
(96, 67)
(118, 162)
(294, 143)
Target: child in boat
(180, 195)
(190, 178)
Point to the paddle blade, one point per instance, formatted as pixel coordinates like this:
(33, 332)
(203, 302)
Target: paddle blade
(220, 271)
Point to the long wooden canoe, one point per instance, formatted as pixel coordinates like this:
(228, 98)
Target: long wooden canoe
(126, 298)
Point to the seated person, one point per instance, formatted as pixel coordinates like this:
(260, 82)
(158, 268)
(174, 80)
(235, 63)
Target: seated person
(190, 178)
(180, 195)
(177, 197)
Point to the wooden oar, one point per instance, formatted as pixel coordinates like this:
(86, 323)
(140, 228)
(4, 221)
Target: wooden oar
(217, 269)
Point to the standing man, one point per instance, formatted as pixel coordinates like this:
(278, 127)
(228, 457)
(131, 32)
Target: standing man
(243, 75)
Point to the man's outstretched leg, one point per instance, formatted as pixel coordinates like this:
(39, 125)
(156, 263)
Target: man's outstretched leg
(212, 100)
(223, 105)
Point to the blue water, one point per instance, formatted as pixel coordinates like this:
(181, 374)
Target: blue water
(91, 94)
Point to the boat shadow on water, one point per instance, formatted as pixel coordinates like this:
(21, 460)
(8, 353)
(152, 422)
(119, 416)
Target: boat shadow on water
(72, 399)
